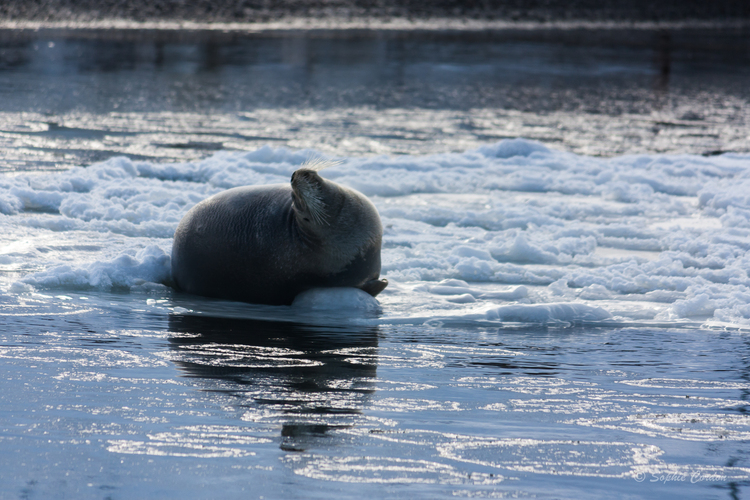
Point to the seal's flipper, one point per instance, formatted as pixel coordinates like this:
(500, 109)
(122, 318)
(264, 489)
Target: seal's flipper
(374, 287)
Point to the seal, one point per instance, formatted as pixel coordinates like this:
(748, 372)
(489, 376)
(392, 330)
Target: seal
(267, 244)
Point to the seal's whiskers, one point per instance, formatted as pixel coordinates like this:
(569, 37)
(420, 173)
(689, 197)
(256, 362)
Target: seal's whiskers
(319, 163)
(315, 206)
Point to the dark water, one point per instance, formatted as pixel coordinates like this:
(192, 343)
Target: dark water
(73, 97)
(116, 403)
(602, 72)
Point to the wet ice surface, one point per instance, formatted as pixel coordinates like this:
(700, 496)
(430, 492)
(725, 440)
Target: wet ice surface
(557, 325)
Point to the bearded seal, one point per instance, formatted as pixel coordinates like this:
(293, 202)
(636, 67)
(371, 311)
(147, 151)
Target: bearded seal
(267, 244)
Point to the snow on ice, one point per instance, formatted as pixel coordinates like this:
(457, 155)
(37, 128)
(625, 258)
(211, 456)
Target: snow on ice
(510, 232)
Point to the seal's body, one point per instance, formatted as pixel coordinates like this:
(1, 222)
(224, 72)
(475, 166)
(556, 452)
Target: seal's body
(267, 244)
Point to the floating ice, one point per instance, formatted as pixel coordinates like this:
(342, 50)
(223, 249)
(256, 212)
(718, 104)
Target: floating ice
(511, 232)
(346, 300)
(549, 313)
(149, 265)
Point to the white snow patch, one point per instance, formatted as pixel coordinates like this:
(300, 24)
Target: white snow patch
(150, 264)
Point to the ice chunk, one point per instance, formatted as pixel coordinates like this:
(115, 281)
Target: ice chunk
(572, 313)
(346, 300)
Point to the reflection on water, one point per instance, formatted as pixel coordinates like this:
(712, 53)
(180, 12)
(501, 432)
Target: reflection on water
(539, 70)
(664, 64)
(315, 378)
(135, 403)
(73, 97)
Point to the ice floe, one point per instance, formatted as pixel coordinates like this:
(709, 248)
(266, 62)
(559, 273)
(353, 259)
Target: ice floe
(510, 232)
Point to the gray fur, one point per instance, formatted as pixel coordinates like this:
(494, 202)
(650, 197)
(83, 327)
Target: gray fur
(266, 244)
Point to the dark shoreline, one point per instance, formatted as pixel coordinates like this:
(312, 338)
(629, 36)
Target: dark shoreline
(263, 11)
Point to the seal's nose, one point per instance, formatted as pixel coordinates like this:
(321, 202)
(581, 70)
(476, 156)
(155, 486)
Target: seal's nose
(303, 175)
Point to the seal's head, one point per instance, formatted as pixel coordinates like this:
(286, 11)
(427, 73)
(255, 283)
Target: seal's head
(311, 199)
(329, 212)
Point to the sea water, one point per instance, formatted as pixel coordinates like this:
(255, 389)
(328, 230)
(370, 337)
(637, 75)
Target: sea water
(557, 324)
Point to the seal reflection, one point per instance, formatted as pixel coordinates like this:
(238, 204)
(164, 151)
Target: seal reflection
(310, 379)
